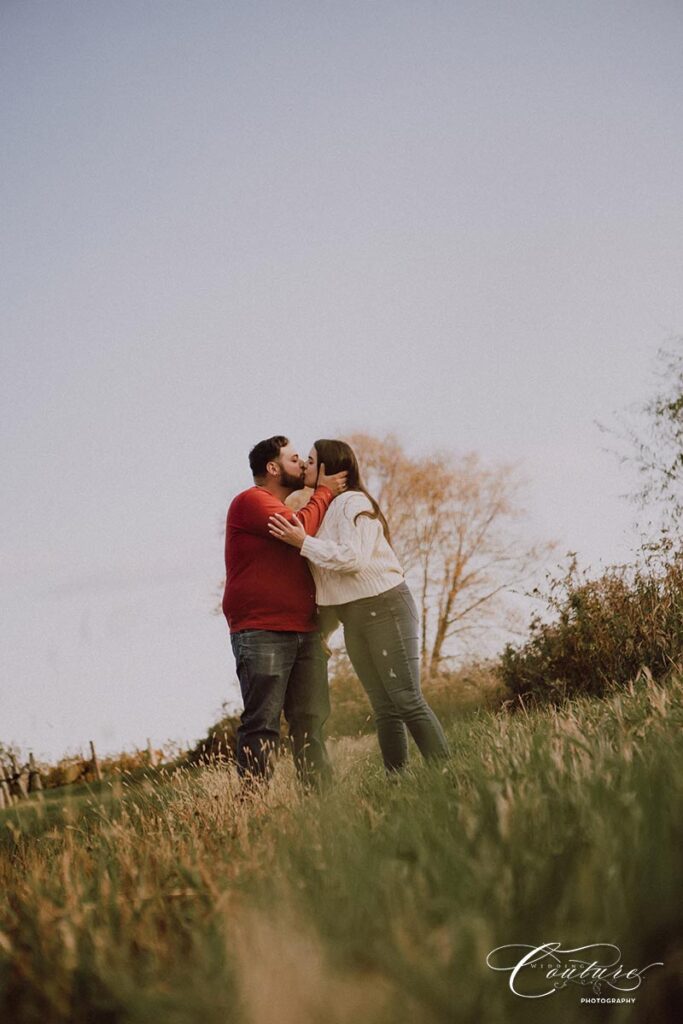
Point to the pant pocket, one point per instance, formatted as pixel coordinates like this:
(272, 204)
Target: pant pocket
(407, 602)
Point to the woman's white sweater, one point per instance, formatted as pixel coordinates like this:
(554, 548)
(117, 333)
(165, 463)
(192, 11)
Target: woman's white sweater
(350, 560)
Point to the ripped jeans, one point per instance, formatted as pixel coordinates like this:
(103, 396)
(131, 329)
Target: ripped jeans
(382, 640)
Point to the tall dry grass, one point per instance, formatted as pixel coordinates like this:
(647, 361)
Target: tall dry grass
(174, 901)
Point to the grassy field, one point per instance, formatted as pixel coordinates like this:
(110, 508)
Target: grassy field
(169, 901)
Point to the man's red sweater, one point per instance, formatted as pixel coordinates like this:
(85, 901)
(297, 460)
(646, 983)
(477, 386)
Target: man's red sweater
(268, 584)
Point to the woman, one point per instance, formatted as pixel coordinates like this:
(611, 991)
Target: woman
(358, 576)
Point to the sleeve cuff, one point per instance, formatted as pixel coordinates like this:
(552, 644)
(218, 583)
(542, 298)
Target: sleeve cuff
(302, 549)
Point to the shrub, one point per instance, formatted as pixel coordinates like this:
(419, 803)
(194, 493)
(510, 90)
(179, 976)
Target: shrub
(603, 633)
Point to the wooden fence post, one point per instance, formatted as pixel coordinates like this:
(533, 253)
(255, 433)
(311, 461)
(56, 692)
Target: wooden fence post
(8, 789)
(35, 782)
(152, 759)
(5, 795)
(95, 763)
(19, 781)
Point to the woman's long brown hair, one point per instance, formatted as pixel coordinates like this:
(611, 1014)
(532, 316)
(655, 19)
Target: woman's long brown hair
(339, 456)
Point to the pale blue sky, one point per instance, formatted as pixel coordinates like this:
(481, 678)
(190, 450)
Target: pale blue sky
(458, 221)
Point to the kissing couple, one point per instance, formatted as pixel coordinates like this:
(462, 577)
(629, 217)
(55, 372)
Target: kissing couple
(287, 572)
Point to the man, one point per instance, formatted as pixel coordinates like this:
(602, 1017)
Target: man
(269, 603)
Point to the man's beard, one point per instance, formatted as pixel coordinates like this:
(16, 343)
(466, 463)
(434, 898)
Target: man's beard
(294, 483)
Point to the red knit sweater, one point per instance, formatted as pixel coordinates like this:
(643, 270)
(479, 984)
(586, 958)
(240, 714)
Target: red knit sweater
(267, 583)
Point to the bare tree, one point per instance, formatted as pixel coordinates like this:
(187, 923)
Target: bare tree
(651, 440)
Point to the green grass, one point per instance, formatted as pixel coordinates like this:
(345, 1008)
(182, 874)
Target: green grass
(169, 901)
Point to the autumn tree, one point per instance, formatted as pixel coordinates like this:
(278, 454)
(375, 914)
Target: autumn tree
(456, 527)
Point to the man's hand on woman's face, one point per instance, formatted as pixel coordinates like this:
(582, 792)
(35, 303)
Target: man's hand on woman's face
(336, 483)
(290, 532)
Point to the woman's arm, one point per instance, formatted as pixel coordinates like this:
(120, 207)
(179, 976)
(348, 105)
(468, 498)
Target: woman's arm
(351, 553)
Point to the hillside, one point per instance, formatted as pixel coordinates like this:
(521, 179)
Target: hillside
(174, 901)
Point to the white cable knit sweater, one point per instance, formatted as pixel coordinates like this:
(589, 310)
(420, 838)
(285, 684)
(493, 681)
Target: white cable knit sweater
(348, 560)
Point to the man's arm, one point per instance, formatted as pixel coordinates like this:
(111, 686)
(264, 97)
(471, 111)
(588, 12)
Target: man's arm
(259, 504)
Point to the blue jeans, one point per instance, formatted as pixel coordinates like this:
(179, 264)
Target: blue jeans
(382, 640)
(281, 671)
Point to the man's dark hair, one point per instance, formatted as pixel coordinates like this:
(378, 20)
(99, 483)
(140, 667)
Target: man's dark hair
(264, 452)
